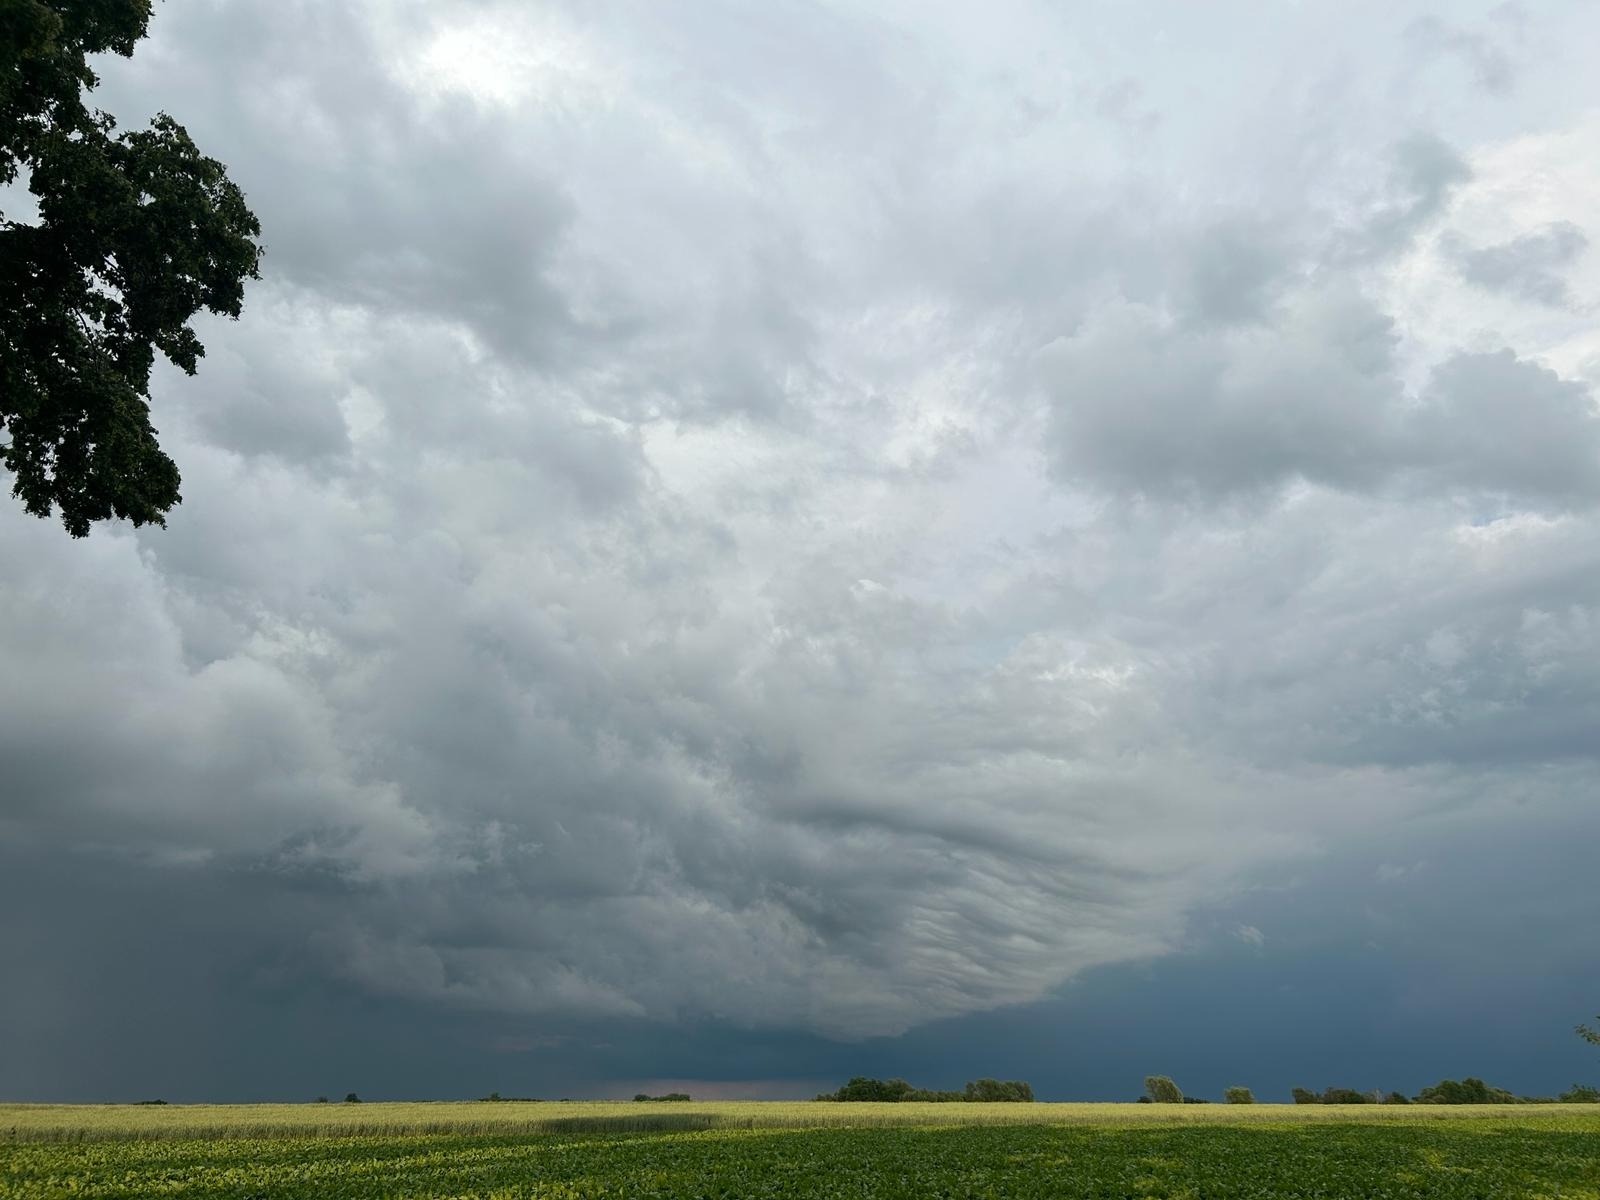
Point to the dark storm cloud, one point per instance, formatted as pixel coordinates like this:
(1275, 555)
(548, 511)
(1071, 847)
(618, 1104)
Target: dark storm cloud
(714, 538)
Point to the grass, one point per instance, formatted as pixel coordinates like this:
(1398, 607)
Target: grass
(1222, 1154)
(89, 1122)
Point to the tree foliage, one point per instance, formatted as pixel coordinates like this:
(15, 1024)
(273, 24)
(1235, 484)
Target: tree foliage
(1239, 1095)
(1162, 1090)
(1465, 1091)
(1344, 1095)
(136, 232)
(1589, 1033)
(862, 1087)
(991, 1091)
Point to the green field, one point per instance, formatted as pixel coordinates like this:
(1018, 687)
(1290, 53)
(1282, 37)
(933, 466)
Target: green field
(793, 1150)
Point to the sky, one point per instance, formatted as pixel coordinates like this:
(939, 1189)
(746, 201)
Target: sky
(738, 545)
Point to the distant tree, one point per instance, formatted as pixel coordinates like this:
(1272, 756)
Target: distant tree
(1239, 1095)
(1162, 1090)
(1195, 1100)
(997, 1090)
(136, 233)
(1466, 1091)
(1303, 1096)
(929, 1096)
(861, 1087)
(351, 1098)
(1588, 1033)
(1580, 1093)
(1396, 1098)
(1339, 1095)
(322, 1099)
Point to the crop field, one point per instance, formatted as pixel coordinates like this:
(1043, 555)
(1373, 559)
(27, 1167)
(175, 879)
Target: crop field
(763, 1150)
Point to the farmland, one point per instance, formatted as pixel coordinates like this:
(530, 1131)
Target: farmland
(798, 1150)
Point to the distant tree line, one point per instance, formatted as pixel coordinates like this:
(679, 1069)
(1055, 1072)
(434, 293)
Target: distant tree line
(861, 1087)
(1470, 1090)
(669, 1096)
(1343, 1095)
(1160, 1089)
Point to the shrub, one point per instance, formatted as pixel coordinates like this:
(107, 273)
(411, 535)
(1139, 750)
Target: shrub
(1302, 1096)
(1239, 1095)
(352, 1098)
(1396, 1098)
(1162, 1090)
(1580, 1093)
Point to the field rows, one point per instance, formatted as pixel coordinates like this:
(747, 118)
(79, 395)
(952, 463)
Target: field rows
(77, 1122)
(1539, 1157)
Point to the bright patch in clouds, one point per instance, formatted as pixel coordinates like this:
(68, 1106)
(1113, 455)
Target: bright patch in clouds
(507, 56)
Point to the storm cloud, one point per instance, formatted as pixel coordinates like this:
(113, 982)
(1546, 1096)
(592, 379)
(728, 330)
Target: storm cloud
(805, 524)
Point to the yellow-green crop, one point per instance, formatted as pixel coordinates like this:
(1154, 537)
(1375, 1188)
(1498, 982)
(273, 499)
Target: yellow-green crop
(45, 1122)
(1037, 1151)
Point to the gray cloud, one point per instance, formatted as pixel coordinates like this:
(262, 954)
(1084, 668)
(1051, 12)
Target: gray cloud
(1142, 405)
(1494, 422)
(799, 524)
(1423, 171)
(1529, 266)
(1484, 55)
